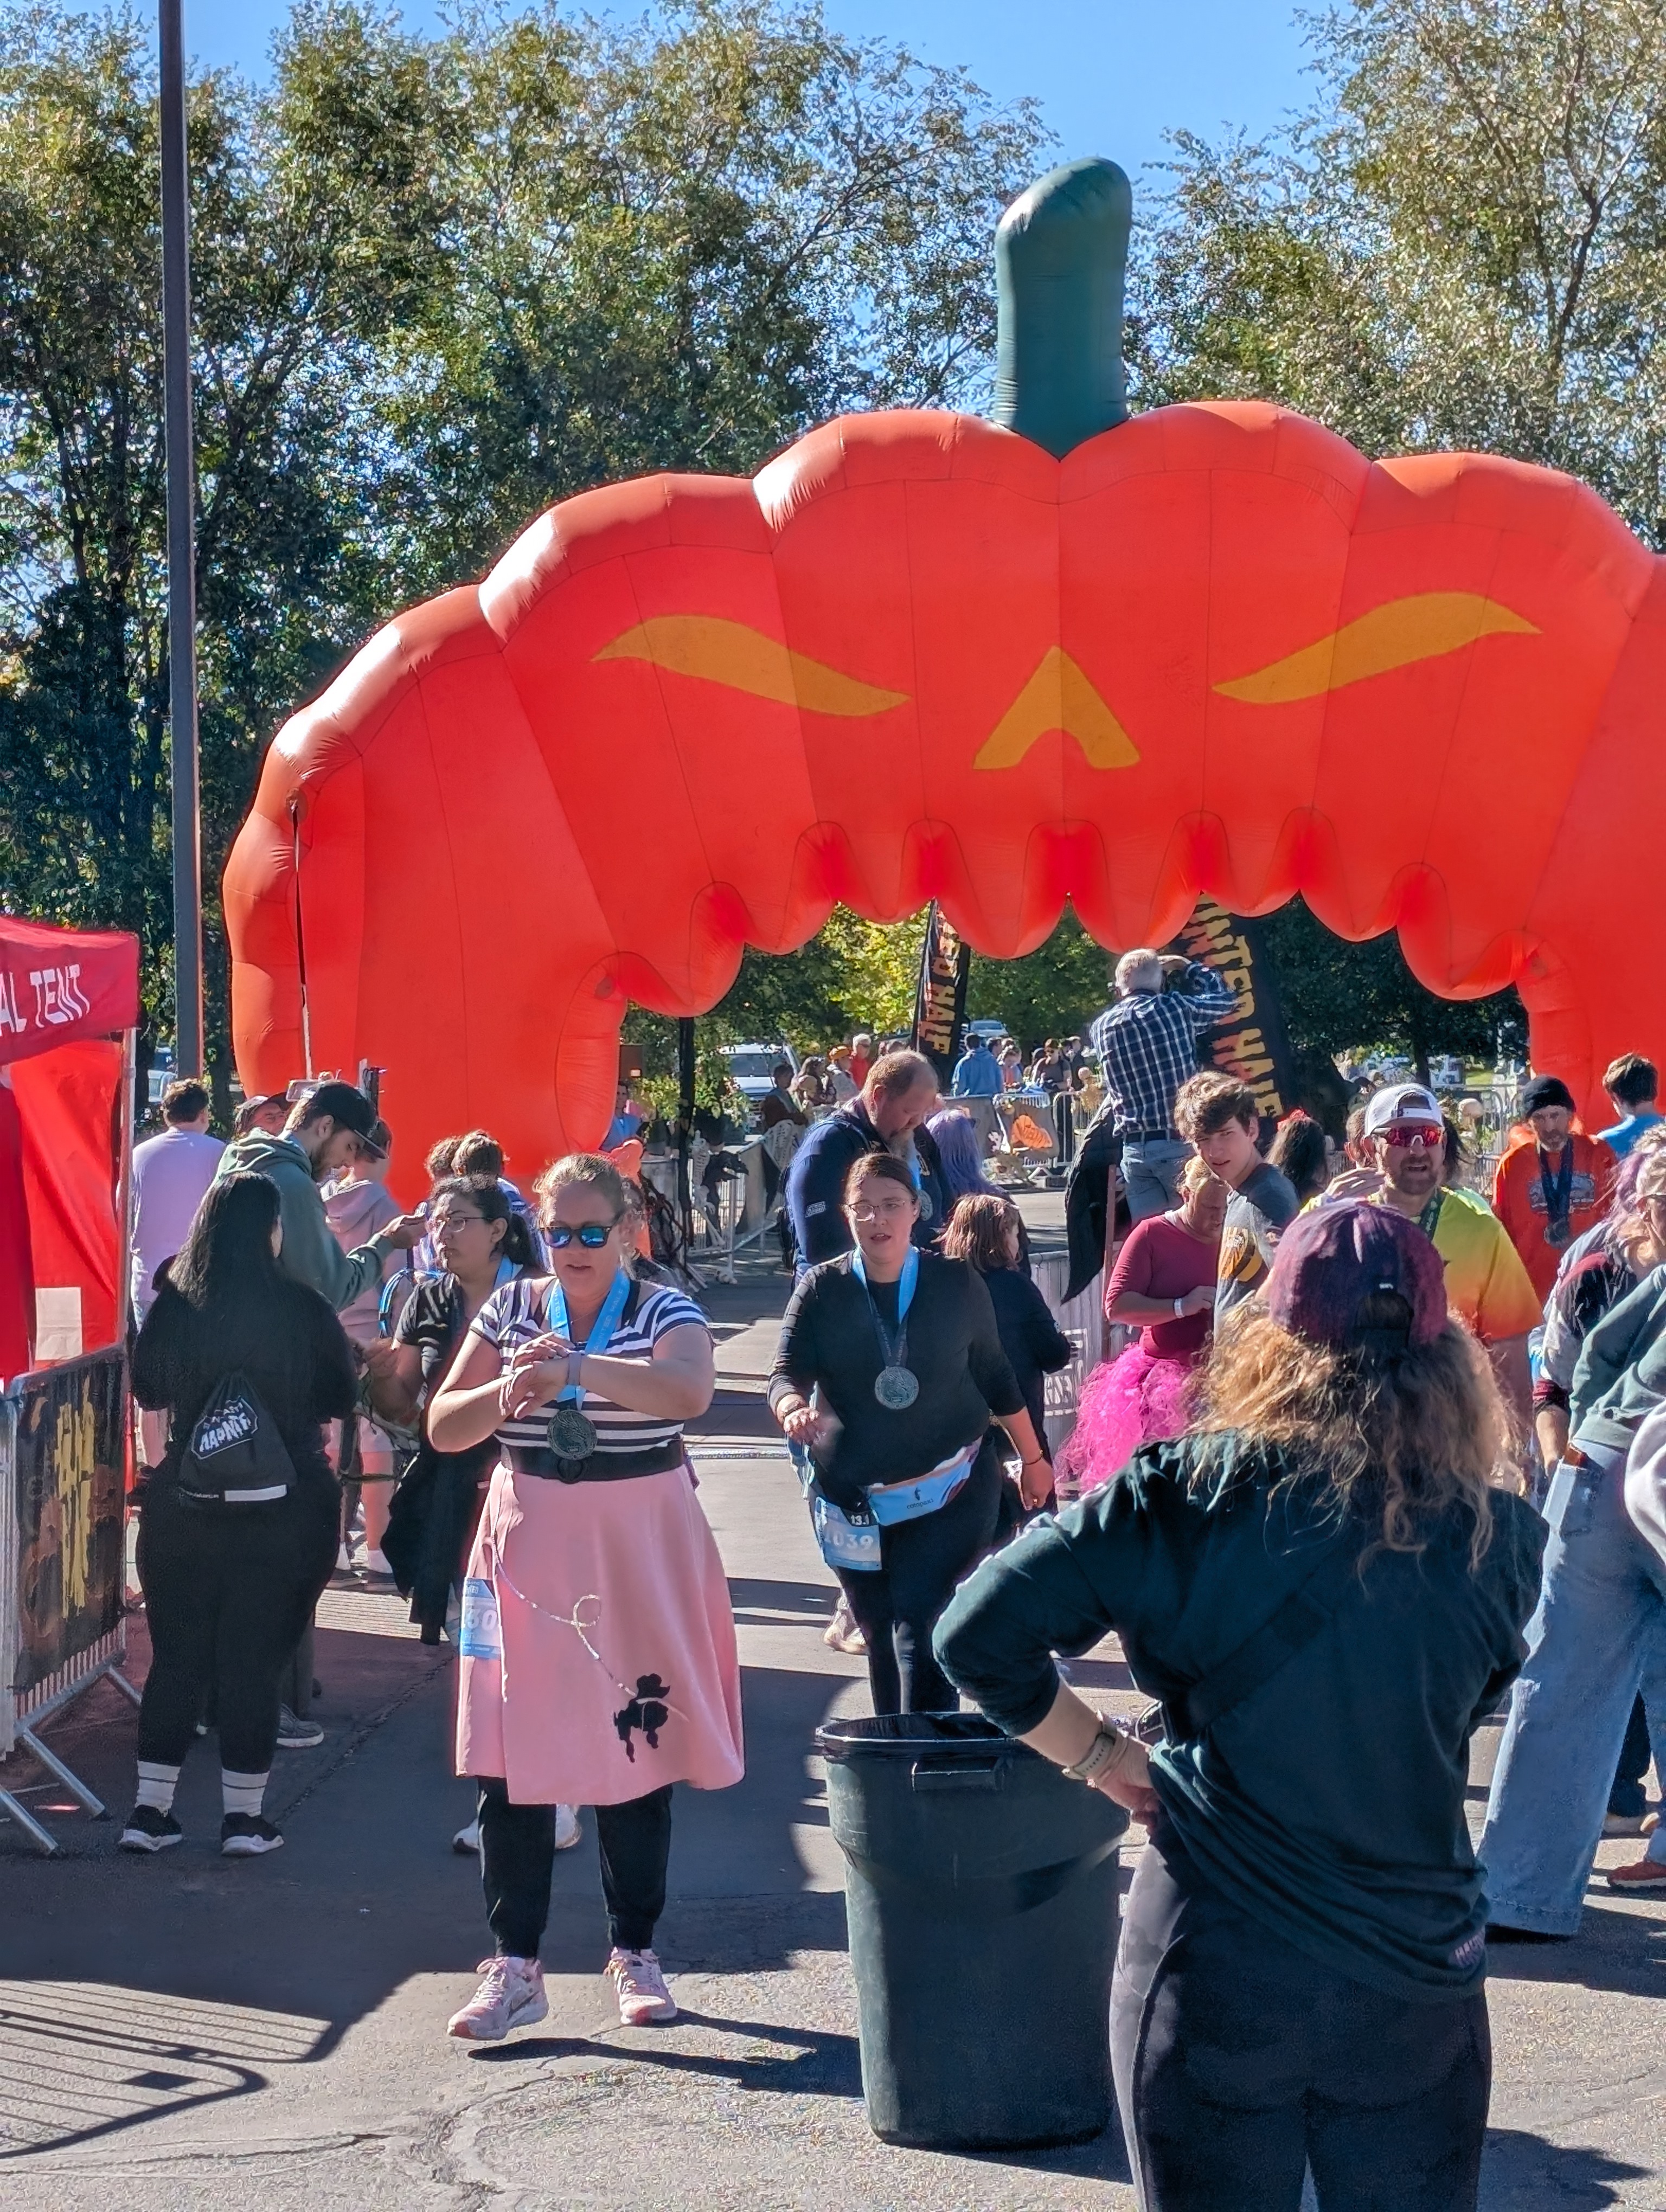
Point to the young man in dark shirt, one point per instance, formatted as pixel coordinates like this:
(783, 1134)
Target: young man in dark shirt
(1219, 1117)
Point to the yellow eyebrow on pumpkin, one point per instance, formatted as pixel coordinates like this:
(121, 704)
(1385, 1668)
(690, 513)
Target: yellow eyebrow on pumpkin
(718, 651)
(1421, 628)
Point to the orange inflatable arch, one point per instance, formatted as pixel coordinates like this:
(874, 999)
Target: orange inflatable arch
(920, 655)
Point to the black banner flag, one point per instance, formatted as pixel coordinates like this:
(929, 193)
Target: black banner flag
(939, 1002)
(1251, 1042)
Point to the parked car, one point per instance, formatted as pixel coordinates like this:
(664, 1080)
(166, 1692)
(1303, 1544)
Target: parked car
(752, 1067)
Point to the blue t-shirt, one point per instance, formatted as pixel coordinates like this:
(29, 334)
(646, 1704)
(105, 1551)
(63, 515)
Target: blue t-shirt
(1624, 1134)
(978, 1075)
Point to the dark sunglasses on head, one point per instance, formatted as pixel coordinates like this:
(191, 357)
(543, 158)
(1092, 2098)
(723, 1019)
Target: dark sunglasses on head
(592, 1235)
(1414, 1133)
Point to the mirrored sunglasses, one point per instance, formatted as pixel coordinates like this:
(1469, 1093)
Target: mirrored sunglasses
(592, 1235)
(1413, 1135)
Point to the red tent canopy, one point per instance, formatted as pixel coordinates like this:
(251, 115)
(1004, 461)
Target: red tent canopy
(67, 998)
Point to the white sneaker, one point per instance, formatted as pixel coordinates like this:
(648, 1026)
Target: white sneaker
(643, 1996)
(511, 1996)
(568, 1831)
(467, 1840)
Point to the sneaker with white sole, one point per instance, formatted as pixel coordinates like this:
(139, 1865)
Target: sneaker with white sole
(1641, 1874)
(641, 1986)
(467, 1840)
(1623, 1824)
(511, 1996)
(568, 1831)
(247, 1835)
(294, 1733)
(149, 1829)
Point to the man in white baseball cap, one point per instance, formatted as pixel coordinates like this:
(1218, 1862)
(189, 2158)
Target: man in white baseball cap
(1487, 1285)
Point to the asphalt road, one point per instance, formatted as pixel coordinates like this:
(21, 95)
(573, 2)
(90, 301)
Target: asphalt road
(189, 2031)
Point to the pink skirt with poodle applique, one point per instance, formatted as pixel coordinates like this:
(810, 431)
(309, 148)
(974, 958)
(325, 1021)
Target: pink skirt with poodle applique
(598, 1651)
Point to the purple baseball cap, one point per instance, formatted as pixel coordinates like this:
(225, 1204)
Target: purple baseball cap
(1331, 1258)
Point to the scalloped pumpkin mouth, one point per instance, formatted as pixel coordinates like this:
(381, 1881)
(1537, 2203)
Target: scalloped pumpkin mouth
(1400, 634)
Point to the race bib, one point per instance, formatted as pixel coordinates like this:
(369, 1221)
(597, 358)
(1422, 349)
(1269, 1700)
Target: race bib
(480, 1634)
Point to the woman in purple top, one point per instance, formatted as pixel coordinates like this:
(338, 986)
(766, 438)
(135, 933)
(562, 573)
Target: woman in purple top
(1164, 1281)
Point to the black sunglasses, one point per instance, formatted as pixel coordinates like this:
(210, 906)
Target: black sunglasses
(592, 1235)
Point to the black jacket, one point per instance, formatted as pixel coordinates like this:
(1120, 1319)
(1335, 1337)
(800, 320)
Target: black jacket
(1030, 1336)
(828, 1337)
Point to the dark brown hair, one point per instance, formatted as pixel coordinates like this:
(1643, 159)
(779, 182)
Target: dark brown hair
(185, 1101)
(1634, 1081)
(1206, 1105)
(491, 1201)
(885, 1165)
(977, 1231)
(476, 1152)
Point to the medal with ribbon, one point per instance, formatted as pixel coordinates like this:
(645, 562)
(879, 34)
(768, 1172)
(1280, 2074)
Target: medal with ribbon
(1558, 1190)
(896, 1385)
(571, 1433)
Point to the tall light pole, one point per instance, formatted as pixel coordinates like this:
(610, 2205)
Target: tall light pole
(181, 552)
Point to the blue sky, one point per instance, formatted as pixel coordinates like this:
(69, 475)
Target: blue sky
(1111, 75)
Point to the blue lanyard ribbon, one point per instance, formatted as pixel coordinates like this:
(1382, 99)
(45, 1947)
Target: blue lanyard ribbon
(893, 1355)
(601, 1334)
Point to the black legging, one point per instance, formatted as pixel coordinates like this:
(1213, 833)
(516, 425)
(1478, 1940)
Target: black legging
(1239, 2061)
(898, 1608)
(518, 1857)
(227, 1591)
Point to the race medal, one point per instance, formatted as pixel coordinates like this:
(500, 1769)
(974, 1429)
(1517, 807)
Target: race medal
(896, 1388)
(572, 1435)
(1559, 1232)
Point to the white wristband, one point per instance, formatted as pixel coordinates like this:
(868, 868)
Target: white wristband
(1180, 1309)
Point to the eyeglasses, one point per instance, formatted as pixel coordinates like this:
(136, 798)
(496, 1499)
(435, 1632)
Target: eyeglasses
(592, 1235)
(1412, 1134)
(891, 1206)
(452, 1220)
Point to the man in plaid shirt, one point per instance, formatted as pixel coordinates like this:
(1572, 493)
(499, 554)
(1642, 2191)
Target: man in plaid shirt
(1147, 1047)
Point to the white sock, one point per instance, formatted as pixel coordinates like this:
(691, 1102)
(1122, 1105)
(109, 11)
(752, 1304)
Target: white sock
(242, 1793)
(157, 1784)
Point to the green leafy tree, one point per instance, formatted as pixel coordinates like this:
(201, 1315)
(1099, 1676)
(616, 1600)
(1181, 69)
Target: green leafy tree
(438, 283)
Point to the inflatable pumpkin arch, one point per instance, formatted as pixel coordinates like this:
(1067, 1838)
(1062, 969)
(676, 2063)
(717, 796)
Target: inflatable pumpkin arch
(1065, 654)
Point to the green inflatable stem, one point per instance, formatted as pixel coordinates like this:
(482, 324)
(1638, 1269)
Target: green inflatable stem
(1061, 255)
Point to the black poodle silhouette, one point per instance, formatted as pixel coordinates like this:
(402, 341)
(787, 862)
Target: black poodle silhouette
(646, 1711)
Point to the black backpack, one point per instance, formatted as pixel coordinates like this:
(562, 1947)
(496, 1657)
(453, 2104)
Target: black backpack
(236, 1455)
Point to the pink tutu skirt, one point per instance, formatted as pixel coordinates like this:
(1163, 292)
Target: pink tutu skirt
(1137, 1398)
(615, 1668)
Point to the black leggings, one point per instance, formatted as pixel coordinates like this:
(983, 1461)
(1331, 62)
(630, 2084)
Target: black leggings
(518, 1856)
(1239, 2062)
(227, 1591)
(898, 1608)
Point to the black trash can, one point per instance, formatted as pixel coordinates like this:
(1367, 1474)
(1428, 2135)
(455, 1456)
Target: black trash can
(981, 1893)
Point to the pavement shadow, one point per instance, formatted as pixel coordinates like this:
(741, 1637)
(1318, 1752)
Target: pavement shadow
(1614, 1950)
(799, 2061)
(1521, 2172)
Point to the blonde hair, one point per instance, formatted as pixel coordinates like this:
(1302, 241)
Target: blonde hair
(1195, 1172)
(1402, 1437)
(589, 1168)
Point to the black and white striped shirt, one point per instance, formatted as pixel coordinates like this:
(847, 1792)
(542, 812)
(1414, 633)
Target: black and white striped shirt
(518, 1311)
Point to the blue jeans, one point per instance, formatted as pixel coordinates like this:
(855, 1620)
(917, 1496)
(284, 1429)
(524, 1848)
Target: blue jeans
(1598, 1636)
(1150, 1175)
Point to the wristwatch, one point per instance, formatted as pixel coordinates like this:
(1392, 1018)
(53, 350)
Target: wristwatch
(1105, 1751)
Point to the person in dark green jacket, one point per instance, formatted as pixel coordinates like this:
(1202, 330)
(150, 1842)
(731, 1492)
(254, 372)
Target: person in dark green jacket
(1326, 1591)
(326, 1132)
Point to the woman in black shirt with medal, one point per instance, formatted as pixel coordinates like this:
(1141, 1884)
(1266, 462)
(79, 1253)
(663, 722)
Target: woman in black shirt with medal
(901, 1351)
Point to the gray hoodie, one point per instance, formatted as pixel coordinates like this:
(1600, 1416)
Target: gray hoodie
(1622, 1374)
(310, 1252)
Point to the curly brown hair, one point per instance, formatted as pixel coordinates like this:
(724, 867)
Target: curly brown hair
(1402, 1437)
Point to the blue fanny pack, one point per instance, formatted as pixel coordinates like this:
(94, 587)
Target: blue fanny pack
(891, 1502)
